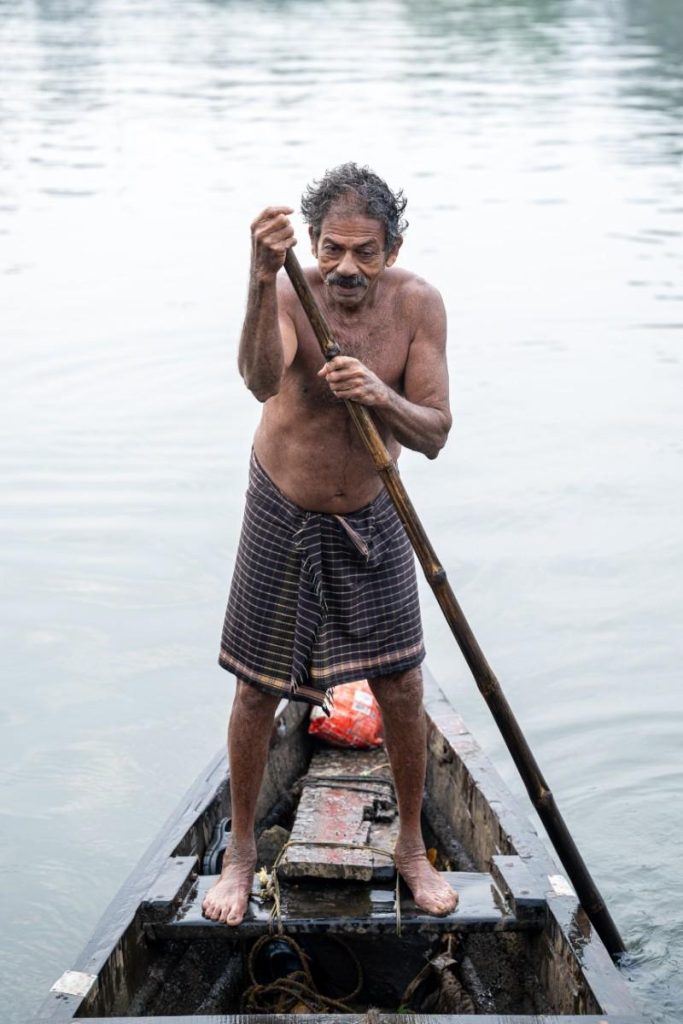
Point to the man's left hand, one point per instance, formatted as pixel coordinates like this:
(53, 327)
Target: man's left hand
(349, 378)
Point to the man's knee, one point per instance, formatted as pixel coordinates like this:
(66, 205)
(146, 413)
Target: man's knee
(398, 689)
(250, 700)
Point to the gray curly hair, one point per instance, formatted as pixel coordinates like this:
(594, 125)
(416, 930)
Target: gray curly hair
(372, 194)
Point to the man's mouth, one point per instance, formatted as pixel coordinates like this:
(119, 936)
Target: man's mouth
(348, 283)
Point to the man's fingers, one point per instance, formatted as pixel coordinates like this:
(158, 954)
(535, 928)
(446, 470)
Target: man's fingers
(283, 246)
(273, 227)
(271, 237)
(341, 376)
(272, 231)
(269, 213)
(350, 380)
(341, 363)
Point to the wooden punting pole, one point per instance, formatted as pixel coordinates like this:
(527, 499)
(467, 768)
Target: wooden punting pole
(489, 687)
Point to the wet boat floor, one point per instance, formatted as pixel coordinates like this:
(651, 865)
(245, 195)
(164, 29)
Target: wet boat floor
(351, 908)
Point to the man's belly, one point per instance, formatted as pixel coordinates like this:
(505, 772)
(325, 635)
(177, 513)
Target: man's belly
(321, 471)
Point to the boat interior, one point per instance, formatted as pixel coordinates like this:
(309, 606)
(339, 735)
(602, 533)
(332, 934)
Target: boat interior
(329, 930)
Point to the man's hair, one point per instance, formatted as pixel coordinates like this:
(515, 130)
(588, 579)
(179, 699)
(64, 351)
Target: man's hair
(369, 192)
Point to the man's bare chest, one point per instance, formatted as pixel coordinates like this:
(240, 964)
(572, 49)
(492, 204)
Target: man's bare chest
(381, 344)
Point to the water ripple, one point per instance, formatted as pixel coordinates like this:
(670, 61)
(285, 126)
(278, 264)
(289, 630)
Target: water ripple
(540, 146)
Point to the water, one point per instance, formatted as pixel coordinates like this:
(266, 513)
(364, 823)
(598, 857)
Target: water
(540, 147)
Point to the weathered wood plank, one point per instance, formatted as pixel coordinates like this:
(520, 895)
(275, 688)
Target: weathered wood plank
(171, 884)
(525, 893)
(346, 814)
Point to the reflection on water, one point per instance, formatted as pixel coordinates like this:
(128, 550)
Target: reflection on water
(539, 144)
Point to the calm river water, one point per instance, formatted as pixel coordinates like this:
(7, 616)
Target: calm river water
(540, 145)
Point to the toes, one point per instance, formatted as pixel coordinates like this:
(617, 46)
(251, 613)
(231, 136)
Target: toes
(210, 910)
(226, 901)
(438, 909)
(237, 912)
(438, 903)
(232, 913)
(447, 902)
(212, 907)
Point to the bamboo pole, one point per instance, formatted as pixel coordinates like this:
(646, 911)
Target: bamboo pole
(489, 687)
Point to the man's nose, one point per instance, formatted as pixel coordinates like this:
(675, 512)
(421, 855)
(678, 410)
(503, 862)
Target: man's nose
(347, 265)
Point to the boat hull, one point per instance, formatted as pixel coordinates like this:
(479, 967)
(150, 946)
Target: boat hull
(540, 954)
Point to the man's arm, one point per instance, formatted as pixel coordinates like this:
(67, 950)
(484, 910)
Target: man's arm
(420, 418)
(268, 342)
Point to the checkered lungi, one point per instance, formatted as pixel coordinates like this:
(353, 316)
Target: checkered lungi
(319, 599)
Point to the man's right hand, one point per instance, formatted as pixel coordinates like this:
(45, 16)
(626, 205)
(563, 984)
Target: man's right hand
(271, 236)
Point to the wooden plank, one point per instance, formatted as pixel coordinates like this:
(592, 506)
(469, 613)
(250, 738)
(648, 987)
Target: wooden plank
(348, 909)
(171, 884)
(347, 812)
(524, 891)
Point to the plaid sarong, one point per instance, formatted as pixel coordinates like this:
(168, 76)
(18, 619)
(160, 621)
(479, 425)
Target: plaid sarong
(319, 599)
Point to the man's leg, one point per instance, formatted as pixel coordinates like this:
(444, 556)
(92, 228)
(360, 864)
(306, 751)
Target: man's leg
(405, 736)
(249, 732)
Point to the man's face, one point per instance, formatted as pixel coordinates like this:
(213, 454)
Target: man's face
(351, 256)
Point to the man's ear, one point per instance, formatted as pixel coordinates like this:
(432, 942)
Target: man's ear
(314, 241)
(393, 252)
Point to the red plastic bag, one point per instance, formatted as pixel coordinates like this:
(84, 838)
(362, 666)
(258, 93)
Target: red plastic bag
(355, 721)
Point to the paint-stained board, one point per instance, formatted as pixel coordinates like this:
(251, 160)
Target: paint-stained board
(346, 816)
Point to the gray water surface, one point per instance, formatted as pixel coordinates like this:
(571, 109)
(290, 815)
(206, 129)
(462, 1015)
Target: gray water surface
(540, 145)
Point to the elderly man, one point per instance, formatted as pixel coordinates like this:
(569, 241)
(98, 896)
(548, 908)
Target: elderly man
(324, 589)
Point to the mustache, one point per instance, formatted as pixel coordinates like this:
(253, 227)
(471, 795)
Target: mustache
(354, 281)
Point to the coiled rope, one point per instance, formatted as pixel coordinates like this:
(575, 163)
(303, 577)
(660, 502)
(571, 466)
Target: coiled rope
(282, 995)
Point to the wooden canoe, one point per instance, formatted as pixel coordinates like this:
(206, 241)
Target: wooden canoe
(525, 948)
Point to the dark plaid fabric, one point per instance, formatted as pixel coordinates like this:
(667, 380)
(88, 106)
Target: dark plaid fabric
(319, 599)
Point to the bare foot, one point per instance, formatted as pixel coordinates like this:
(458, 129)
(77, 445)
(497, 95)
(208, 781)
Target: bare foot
(227, 900)
(430, 890)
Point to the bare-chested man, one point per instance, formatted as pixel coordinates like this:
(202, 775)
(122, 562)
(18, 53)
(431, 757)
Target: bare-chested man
(324, 587)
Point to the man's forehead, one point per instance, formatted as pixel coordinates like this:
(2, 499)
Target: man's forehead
(345, 223)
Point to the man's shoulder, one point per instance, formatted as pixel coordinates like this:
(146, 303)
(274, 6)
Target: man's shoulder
(287, 297)
(285, 289)
(413, 290)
